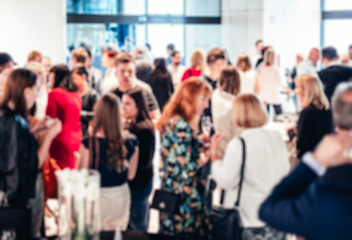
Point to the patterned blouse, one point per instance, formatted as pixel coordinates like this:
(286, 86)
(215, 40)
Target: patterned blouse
(184, 177)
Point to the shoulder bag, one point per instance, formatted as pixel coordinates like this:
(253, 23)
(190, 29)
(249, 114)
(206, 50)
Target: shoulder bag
(226, 223)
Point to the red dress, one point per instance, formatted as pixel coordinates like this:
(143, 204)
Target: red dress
(194, 73)
(66, 106)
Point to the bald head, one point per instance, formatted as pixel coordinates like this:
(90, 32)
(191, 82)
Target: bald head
(342, 106)
(314, 55)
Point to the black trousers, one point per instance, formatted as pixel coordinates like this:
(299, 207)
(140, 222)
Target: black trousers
(278, 108)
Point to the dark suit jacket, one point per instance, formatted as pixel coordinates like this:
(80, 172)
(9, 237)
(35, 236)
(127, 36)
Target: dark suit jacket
(332, 76)
(311, 207)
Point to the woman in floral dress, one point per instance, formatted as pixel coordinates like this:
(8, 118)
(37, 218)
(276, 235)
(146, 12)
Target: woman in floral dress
(183, 157)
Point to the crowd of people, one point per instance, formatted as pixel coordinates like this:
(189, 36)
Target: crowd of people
(217, 156)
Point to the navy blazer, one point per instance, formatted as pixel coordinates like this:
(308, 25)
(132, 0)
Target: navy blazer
(311, 207)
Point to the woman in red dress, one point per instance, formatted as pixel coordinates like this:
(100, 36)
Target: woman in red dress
(65, 103)
(197, 65)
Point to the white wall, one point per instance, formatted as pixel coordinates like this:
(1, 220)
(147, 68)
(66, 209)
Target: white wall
(290, 26)
(28, 25)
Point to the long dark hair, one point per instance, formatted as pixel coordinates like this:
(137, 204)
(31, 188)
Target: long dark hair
(160, 73)
(13, 91)
(143, 115)
(63, 78)
(107, 117)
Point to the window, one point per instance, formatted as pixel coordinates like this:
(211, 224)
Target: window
(335, 5)
(334, 36)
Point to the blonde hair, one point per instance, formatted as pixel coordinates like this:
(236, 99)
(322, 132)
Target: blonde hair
(269, 57)
(248, 112)
(36, 66)
(197, 59)
(313, 92)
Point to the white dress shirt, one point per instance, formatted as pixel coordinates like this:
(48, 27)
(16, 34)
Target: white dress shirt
(265, 165)
(270, 84)
(306, 67)
(176, 74)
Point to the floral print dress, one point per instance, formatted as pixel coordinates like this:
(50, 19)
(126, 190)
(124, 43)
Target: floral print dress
(183, 176)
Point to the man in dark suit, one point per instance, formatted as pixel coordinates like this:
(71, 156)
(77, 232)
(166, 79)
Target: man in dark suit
(334, 73)
(309, 204)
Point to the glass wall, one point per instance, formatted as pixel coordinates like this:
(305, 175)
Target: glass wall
(157, 22)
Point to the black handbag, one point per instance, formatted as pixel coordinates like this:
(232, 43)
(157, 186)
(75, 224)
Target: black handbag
(226, 223)
(166, 202)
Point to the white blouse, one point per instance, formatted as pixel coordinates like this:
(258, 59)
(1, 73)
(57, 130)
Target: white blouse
(248, 80)
(221, 111)
(265, 165)
(270, 84)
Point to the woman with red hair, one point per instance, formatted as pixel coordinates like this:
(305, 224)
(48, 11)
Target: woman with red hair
(183, 158)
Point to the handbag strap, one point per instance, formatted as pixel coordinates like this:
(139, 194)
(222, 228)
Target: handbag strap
(242, 172)
(241, 176)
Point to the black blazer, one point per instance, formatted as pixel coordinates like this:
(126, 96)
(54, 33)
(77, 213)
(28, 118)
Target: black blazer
(311, 207)
(312, 125)
(332, 76)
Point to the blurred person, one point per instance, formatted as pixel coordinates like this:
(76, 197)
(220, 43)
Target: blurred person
(47, 65)
(334, 73)
(3, 78)
(183, 160)
(216, 62)
(126, 75)
(315, 120)
(35, 56)
(26, 147)
(65, 103)
(344, 60)
(258, 47)
(110, 80)
(128, 44)
(249, 78)
(261, 58)
(197, 65)
(160, 81)
(95, 76)
(317, 193)
(222, 98)
(262, 156)
(143, 63)
(149, 52)
(78, 57)
(6, 66)
(6, 61)
(42, 99)
(176, 69)
(170, 48)
(349, 56)
(89, 96)
(309, 65)
(135, 112)
(270, 83)
(115, 155)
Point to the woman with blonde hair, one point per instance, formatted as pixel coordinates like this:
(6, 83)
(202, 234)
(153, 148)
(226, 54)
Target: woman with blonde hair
(183, 161)
(221, 109)
(261, 154)
(315, 119)
(197, 65)
(115, 155)
(270, 82)
(249, 78)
